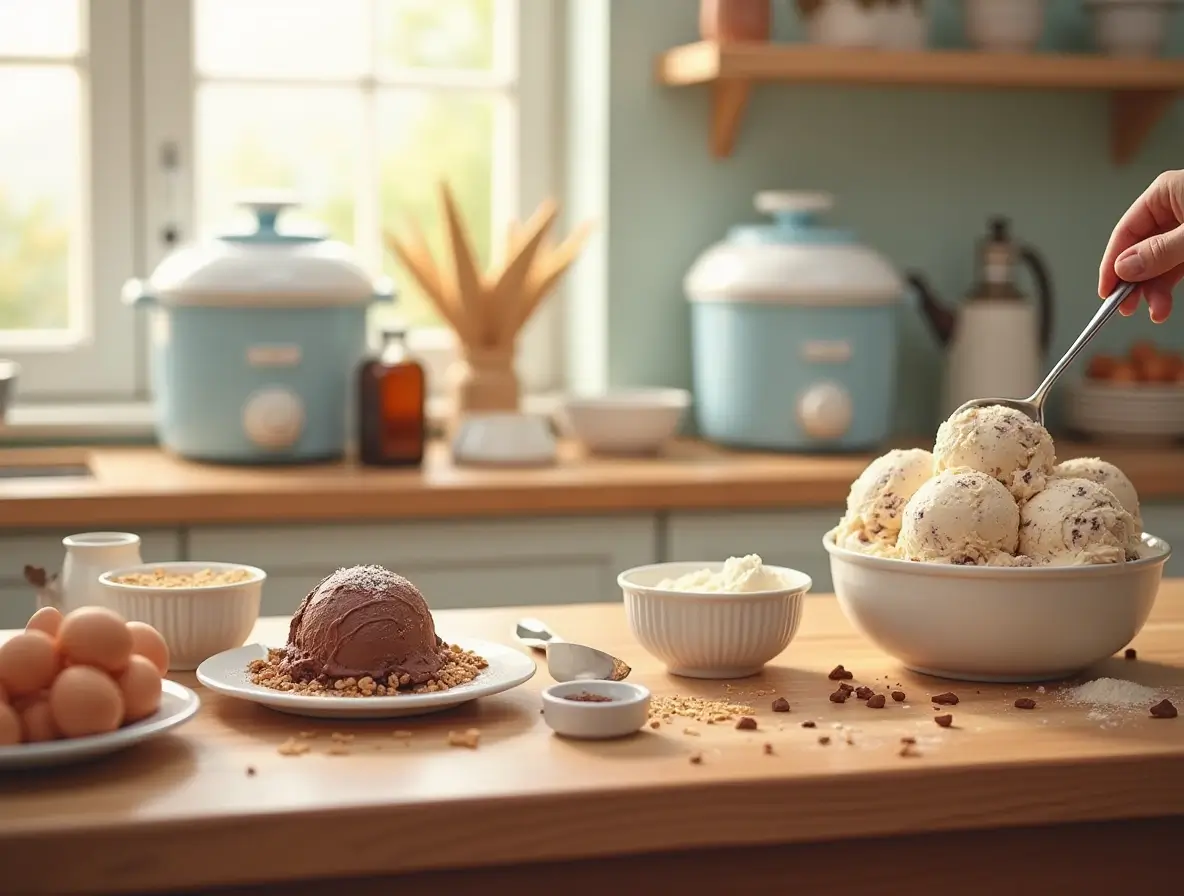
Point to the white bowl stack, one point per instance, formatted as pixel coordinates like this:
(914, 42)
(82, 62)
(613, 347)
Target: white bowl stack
(1127, 411)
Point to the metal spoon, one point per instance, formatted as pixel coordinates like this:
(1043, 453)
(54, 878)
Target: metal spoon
(1033, 405)
(567, 661)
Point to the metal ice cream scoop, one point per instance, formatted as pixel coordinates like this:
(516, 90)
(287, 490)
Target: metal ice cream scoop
(567, 661)
(1033, 405)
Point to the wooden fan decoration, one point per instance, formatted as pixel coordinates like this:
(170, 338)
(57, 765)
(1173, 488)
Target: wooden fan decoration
(488, 310)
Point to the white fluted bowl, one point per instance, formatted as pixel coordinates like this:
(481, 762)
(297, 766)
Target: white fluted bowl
(195, 622)
(711, 635)
(993, 623)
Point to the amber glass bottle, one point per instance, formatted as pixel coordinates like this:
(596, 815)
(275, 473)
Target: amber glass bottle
(392, 390)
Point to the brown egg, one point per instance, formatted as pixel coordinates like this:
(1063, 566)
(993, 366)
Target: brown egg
(1101, 366)
(1174, 365)
(147, 642)
(37, 722)
(10, 726)
(28, 663)
(1124, 372)
(96, 636)
(85, 700)
(140, 686)
(1156, 369)
(47, 619)
(1142, 351)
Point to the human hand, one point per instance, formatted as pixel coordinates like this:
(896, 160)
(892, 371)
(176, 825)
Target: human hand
(1147, 247)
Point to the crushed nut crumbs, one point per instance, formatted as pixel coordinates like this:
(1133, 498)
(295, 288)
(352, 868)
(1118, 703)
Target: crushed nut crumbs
(469, 739)
(458, 667)
(698, 709)
(292, 747)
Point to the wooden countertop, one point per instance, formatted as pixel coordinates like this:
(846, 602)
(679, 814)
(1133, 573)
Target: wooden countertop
(154, 818)
(145, 487)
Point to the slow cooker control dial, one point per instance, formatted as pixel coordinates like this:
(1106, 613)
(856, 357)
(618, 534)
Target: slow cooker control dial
(824, 410)
(274, 418)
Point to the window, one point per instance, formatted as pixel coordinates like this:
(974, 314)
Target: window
(134, 124)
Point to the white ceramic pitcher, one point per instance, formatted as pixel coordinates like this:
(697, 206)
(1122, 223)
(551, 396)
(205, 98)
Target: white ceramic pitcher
(88, 556)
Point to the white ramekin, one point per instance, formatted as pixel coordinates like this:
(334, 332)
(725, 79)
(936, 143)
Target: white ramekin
(196, 623)
(711, 635)
(994, 623)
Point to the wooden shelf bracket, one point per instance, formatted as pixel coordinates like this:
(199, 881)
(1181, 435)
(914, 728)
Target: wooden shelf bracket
(729, 99)
(1133, 116)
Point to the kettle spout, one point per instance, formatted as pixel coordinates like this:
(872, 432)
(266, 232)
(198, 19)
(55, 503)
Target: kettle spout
(48, 587)
(941, 319)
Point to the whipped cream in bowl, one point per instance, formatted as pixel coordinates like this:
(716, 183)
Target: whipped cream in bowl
(718, 620)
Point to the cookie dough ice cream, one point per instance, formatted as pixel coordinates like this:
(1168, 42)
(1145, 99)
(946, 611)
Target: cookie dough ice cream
(1074, 522)
(738, 575)
(1105, 474)
(998, 441)
(961, 516)
(878, 497)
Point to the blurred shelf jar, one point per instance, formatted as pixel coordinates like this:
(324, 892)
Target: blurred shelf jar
(1133, 29)
(881, 24)
(735, 21)
(1004, 26)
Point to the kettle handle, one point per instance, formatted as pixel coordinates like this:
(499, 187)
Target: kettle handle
(1043, 293)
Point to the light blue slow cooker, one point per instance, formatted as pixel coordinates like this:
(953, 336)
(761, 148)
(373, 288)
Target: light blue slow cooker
(255, 339)
(793, 327)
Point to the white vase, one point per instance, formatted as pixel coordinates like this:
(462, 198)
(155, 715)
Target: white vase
(88, 556)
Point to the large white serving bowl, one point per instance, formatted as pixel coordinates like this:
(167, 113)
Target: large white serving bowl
(984, 623)
(711, 634)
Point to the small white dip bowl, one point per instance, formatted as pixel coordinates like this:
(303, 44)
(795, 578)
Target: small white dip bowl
(711, 634)
(626, 421)
(625, 711)
(988, 623)
(196, 622)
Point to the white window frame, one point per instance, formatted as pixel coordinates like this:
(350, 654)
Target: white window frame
(167, 82)
(100, 361)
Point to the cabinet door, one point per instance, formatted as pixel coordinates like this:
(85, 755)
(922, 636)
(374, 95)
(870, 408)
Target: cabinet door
(44, 549)
(783, 538)
(456, 564)
(1167, 522)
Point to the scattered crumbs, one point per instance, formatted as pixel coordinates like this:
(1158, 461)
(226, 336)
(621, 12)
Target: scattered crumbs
(690, 732)
(780, 705)
(292, 747)
(908, 739)
(746, 723)
(697, 709)
(1040, 689)
(341, 738)
(337, 749)
(468, 739)
(402, 734)
(655, 724)
(1130, 654)
(863, 693)
(768, 749)
(809, 723)
(838, 673)
(945, 720)
(898, 696)
(1110, 692)
(1095, 716)
(1025, 703)
(824, 739)
(251, 771)
(839, 696)
(696, 759)
(909, 751)
(849, 737)
(949, 698)
(876, 701)
(308, 734)
(1164, 709)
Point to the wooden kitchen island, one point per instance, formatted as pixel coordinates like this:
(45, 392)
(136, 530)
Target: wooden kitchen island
(1053, 800)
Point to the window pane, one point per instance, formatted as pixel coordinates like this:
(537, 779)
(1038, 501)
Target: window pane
(272, 38)
(259, 138)
(424, 137)
(436, 33)
(40, 166)
(39, 27)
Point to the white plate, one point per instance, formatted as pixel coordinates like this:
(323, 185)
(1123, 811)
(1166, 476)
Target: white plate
(227, 674)
(178, 705)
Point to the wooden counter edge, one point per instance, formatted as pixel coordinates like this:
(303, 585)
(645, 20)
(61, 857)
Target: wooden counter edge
(160, 855)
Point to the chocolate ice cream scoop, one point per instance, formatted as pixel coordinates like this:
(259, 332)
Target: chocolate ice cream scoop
(364, 620)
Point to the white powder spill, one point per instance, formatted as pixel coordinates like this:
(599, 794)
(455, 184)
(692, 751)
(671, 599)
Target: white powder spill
(1111, 692)
(1096, 716)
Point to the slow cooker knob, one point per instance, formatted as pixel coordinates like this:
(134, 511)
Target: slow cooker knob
(274, 418)
(824, 410)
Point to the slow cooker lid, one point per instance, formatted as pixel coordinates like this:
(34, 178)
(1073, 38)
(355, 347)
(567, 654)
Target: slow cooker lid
(793, 260)
(264, 267)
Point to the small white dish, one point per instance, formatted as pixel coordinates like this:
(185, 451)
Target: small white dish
(178, 705)
(623, 713)
(1004, 26)
(1131, 29)
(227, 674)
(197, 621)
(711, 635)
(626, 421)
(991, 623)
(504, 440)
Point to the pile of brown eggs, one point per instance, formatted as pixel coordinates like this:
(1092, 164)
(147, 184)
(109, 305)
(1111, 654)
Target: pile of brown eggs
(88, 672)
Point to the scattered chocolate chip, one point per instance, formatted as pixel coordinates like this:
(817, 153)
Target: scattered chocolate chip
(655, 724)
(746, 723)
(846, 688)
(909, 750)
(949, 698)
(838, 673)
(809, 723)
(1025, 703)
(898, 696)
(839, 696)
(908, 739)
(696, 759)
(876, 701)
(1130, 654)
(1164, 709)
(250, 771)
(780, 705)
(863, 692)
(768, 749)
(824, 739)
(945, 720)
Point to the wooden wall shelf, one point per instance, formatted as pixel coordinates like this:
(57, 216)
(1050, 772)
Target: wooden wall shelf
(1141, 90)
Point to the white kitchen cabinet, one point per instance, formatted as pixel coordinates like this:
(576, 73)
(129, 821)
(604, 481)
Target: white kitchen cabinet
(790, 538)
(478, 563)
(44, 549)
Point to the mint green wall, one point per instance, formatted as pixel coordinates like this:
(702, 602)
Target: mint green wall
(915, 172)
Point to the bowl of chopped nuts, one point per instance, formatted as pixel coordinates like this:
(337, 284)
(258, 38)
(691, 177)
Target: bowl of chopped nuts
(200, 609)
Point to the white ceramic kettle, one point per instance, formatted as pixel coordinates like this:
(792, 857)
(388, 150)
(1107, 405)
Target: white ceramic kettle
(88, 556)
